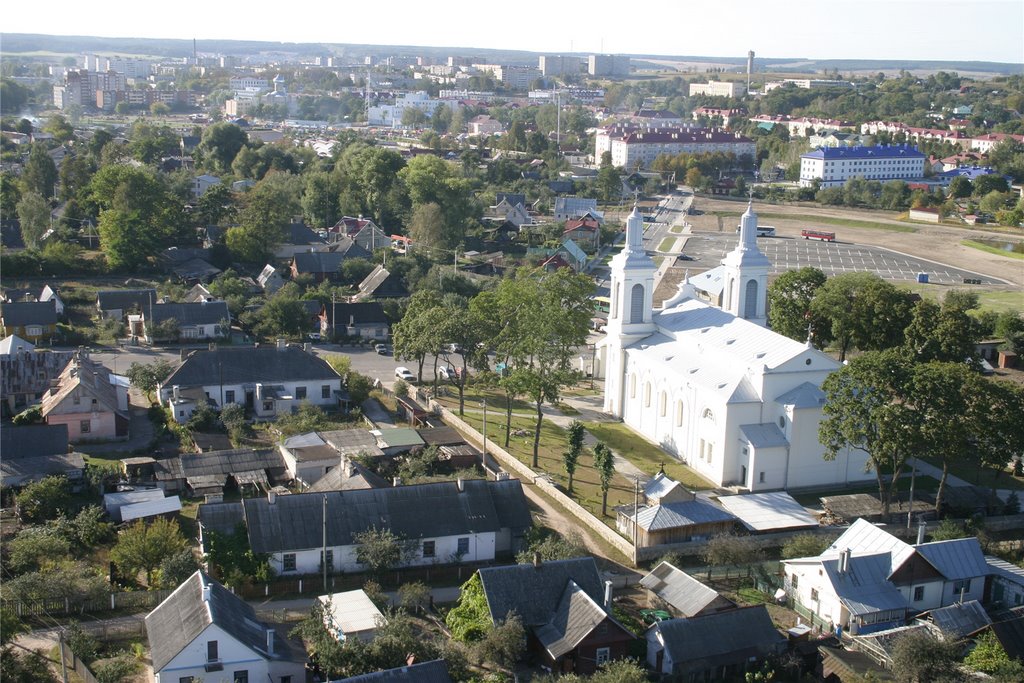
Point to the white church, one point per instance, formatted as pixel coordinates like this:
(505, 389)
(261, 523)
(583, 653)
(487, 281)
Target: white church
(713, 386)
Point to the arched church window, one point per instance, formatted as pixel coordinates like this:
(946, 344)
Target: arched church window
(750, 300)
(647, 395)
(615, 300)
(727, 303)
(636, 304)
(663, 404)
(679, 413)
(708, 415)
(632, 386)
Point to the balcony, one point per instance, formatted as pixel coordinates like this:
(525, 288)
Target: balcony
(214, 665)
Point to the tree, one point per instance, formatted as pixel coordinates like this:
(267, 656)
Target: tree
(993, 182)
(34, 216)
(989, 657)
(574, 436)
(729, 549)
(945, 333)
(504, 643)
(920, 657)
(176, 568)
(40, 173)
(269, 206)
(45, 499)
(283, 315)
(805, 545)
(427, 226)
(126, 240)
(604, 463)
(320, 199)
(550, 546)
(867, 409)
(381, 549)
(91, 528)
(308, 418)
(416, 334)
(214, 206)
(960, 187)
(609, 183)
(60, 579)
(147, 376)
(470, 619)
(159, 109)
(414, 596)
(789, 302)
(33, 545)
(220, 144)
(143, 547)
(862, 311)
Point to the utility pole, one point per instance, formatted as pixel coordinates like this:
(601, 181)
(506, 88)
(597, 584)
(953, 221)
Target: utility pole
(484, 457)
(636, 516)
(63, 662)
(334, 316)
(910, 504)
(323, 558)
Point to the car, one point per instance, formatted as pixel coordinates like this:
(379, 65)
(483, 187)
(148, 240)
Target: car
(405, 374)
(381, 349)
(313, 336)
(444, 372)
(452, 348)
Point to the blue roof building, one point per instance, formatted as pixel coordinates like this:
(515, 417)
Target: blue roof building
(833, 166)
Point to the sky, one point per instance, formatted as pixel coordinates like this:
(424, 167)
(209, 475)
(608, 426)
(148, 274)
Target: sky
(982, 30)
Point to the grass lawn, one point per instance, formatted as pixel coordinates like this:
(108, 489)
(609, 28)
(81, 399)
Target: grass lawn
(992, 250)
(667, 244)
(988, 299)
(844, 222)
(645, 455)
(922, 484)
(982, 476)
(676, 229)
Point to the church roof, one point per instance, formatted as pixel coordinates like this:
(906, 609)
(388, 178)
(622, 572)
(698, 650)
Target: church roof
(806, 395)
(726, 379)
(711, 281)
(766, 435)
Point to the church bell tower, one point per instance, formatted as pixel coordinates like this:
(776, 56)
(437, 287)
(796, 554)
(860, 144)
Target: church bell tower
(632, 303)
(746, 274)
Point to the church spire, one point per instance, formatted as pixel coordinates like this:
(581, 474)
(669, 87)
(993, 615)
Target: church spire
(635, 231)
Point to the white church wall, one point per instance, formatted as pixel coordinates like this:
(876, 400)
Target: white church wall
(808, 466)
(766, 470)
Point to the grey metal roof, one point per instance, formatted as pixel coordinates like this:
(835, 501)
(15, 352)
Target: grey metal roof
(352, 441)
(680, 590)
(534, 592)
(441, 436)
(15, 471)
(864, 588)
(724, 636)
(381, 282)
(682, 514)
(240, 365)
(358, 313)
(764, 435)
(962, 619)
(426, 510)
(806, 395)
(183, 616)
(1004, 569)
(350, 476)
(957, 559)
(435, 671)
(32, 441)
(577, 615)
(29, 313)
(768, 511)
(230, 462)
(659, 486)
(125, 299)
(1010, 633)
(200, 313)
(318, 261)
(223, 518)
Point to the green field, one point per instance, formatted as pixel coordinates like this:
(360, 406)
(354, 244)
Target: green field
(644, 455)
(988, 299)
(992, 250)
(667, 244)
(842, 222)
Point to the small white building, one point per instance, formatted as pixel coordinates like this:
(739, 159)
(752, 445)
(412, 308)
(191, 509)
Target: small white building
(351, 614)
(833, 166)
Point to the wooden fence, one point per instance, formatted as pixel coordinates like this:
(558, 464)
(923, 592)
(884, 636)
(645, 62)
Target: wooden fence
(75, 664)
(129, 600)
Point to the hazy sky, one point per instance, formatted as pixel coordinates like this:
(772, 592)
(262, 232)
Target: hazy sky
(986, 30)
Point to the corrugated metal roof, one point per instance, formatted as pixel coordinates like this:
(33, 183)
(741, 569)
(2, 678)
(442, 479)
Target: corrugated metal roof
(957, 559)
(1006, 570)
(729, 636)
(864, 588)
(577, 615)
(711, 281)
(864, 538)
(352, 611)
(765, 435)
(534, 592)
(806, 395)
(768, 511)
(683, 514)
(680, 590)
(961, 620)
(399, 437)
(149, 508)
(427, 672)
(659, 486)
(352, 441)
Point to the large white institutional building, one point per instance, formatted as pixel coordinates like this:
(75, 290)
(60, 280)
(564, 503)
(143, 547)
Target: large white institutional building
(735, 401)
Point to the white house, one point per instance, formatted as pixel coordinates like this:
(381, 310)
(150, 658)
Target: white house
(443, 522)
(833, 166)
(869, 580)
(203, 632)
(202, 183)
(308, 457)
(267, 380)
(735, 401)
(50, 293)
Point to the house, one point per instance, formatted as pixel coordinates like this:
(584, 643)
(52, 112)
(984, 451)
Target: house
(568, 208)
(363, 319)
(298, 237)
(583, 231)
(202, 183)
(397, 440)
(572, 254)
(362, 231)
(126, 506)
(468, 521)
(89, 400)
(382, 284)
(351, 614)
(675, 522)
(198, 294)
(270, 280)
(49, 293)
(351, 443)
(1005, 586)
(118, 303)
(483, 124)
(565, 609)
(193, 270)
(349, 476)
(318, 265)
(202, 631)
(33, 452)
(26, 373)
(34, 321)
(349, 248)
(267, 380)
(870, 580)
(199, 320)
(673, 589)
(213, 472)
(720, 646)
(308, 457)
(768, 512)
(435, 671)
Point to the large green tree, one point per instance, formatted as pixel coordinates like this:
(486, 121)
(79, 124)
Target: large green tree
(268, 208)
(34, 217)
(144, 546)
(942, 333)
(789, 303)
(862, 311)
(220, 144)
(868, 410)
(40, 173)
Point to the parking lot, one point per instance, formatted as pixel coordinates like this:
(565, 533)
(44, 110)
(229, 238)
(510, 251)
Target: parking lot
(832, 258)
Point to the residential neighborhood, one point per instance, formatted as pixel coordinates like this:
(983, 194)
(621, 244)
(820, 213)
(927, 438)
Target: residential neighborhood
(332, 352)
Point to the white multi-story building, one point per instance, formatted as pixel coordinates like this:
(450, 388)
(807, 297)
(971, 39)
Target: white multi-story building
(632, 146)
(391, 114)
(807, 84)
(833, 166)
(559, 65)
(249, 83)
(803, 126)
(608, 65)
(717, 89)
(712, 386)
(512, 77)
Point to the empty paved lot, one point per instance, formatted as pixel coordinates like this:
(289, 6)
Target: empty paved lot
(832, 258)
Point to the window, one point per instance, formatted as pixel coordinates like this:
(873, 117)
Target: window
(814, 595)
(636, 304)
(300, 393)
(647, 394)
(288, 562)
(286, 679)
(84, 426)
(325, 391)
(964, 586)
(918, 593)
(268, 406)
(463, 546)
(34, 331)
(760, 478)
(794, 581)
(679, 414)
(750, 302)
(663, 404)
(211, 651)
(185, 679)
(75, 398)
(241, 676)
(229, 396)
(603, 655)
(330, 559)
(428, 548)
(782, 422)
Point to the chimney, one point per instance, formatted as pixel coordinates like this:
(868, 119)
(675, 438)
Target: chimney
(176, 392)
(397, 481)
(271, 497)
(844, 560)
(307, 347)
(213, 346)
(536, 559)
(270, 641)
(921, 528)
(461, 484)
(206, 592)
(608, 597)
(281, 345)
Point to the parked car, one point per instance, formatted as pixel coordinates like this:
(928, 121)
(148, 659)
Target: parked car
(313, 336)
(382, 349)
(453, 348)
(444, 372)
(404, 373)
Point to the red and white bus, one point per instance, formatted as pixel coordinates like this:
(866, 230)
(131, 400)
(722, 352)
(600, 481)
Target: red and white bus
(812, 234)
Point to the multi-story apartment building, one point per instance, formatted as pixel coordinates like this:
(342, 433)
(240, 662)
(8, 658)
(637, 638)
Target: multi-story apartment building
(803, 126)
(559, 65)
(807, 84)
(632, 147)
(608, 65)
(833, 166)
(80, 87)
(248, 83)
(391, 114)
(512, 77)
(717, 89)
